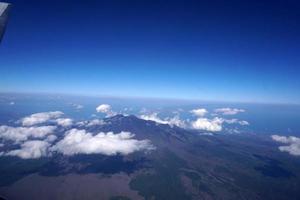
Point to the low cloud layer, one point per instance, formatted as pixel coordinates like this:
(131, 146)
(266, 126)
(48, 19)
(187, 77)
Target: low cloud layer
(64, 122)
(213, 125)
(292, 144)
(82, 142)
(169, 120)
(205, 124)
(37, 138)
(33, 141)
(31, 149)
(39, 118)
(200, 112)
(229, 111)
(20, 134)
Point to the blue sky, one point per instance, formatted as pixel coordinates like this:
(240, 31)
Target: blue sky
(209, 50)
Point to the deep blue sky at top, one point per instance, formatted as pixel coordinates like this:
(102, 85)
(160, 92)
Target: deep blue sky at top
(211, 50)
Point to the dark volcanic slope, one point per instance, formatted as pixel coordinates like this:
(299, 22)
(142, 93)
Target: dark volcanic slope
(184, 165)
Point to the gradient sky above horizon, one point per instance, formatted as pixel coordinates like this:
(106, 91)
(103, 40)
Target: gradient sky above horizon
(209, 50)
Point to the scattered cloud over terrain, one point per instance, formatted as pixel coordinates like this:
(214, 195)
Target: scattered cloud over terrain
(153, 117)
(34, 141)
(35, 138)
(229, 111)
(206, 124)
(39, 118)
(79, 141)
(213, 125)
(30, 149)
(106, 109)
(292, 144)
(200, 112)
(19, 134)
(169, 120)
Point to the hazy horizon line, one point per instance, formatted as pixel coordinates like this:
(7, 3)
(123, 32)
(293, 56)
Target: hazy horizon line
(147, 98)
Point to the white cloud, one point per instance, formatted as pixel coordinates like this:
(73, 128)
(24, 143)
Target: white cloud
(153, 117)
(51, 138)
(213, 125)
(176, 121)
(30, 149)
(19, 134)
(39, 118)
(64, 122)
(171, 121)
(292, 144)
(105, 108)
(12, 103)
(82, 142)
(229, 111)
(200, 112)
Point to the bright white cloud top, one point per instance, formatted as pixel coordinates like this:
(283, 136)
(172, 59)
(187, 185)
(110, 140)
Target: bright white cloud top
(82, 142)
(35, 138)
(31, 149)
(106, 109)
(19, 134)
(200, 112)
(169, 120)
(213, 125)
(39, 118)
(64, 122)
(292, 144)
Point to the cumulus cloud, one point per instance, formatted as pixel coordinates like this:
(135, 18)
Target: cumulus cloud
(39, 118)
(82, 142)
(153, 117)
(229, 111)
(19, 134)
(64, 122)
(51, 138)
(200, 112)
(30, 149)
(105, 108)
(176, 121)
(169, 120)
(292, 144)
(213, 125)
